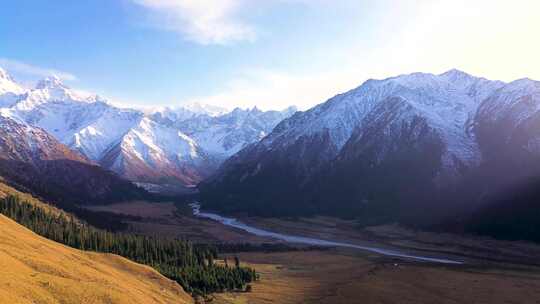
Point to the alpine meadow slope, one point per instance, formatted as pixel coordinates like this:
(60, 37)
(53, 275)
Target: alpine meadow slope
(38, 270)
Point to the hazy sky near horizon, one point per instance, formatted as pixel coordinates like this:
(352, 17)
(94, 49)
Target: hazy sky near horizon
(268, 53)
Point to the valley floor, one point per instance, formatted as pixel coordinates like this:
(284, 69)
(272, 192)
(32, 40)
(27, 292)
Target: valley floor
(339, 276)
(166, 219)
(494, 271)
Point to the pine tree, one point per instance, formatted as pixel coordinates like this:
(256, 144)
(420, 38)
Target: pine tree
(191, 266)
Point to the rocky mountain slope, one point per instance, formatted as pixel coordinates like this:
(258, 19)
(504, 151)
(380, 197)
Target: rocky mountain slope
(225, 135)
(162, 145)
(384, 147)
(32, 159)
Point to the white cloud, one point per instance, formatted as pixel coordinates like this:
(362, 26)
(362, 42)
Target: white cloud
(490, 38)
(494, 39)
(268, 89)
(31, 70)
(201, 21)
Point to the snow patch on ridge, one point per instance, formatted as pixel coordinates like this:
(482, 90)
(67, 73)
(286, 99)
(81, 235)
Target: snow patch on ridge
(448, 102)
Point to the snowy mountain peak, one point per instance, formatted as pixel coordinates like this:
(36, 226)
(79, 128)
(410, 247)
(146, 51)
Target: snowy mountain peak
(455, 74)
(4, 74)
(238, 110)
(50, 82)
(185, 143)
(290, 109)
(208, 109)
(8, 85)
(524, 83)
(384, 138)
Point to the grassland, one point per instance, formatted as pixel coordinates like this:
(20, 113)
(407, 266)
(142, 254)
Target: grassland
(36, 270)
(495, 271)
(334, 277)
(164, 219)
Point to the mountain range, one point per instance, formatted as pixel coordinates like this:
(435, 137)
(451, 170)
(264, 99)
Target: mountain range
(448, 150)
(416, 147)
(162, 145)
(36, 162)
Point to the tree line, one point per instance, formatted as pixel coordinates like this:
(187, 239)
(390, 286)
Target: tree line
(191, 265)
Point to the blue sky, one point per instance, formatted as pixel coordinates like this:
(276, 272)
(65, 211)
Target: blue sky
(269, 53)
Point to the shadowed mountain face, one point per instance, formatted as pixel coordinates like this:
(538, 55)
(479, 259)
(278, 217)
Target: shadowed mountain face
(32, 159)
(512, 214)
(382, 163)
(418, 148)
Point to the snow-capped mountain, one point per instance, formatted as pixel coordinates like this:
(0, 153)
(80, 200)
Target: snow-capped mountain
(151, 152)
(22, 142)
(185, 143)
(32, 159)
(385, 141)
(447, 102)
(207, 109)
(225, 135)
(168, 115)
(508, 121)
(85, 123)
(9, 89)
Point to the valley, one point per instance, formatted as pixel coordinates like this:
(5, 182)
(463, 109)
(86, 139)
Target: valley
(166, 219)
(399, 185)
(269, 152)
(345, 275)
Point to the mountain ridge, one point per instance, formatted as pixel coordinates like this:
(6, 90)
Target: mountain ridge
(34, 160)
(359, 153)
(132, 142)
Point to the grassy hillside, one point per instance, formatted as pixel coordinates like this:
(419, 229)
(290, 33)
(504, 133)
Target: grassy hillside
(190, 265)
(36, 270)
